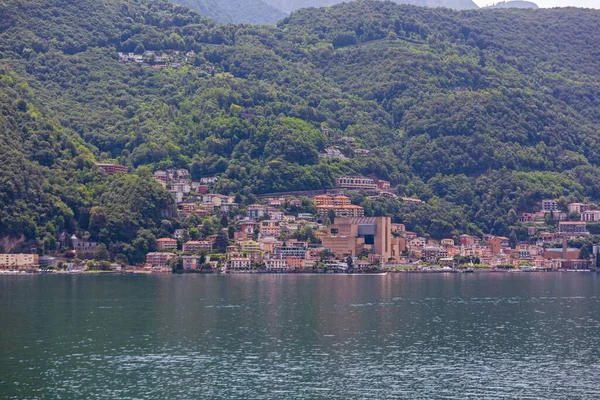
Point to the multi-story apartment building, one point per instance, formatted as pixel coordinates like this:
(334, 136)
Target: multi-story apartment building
(197, 245)
(158, 259)
(11, 261)
(240, 263)
(276, 264)
(356, 182)
(166, 244)
(256, 211)
(270, 228)
(111, 169)
(578, 207)
(342, 211)
(549, 205)
(590, 216)
(572, 228)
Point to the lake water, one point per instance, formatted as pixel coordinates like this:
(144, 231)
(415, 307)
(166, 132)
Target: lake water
(409, 336)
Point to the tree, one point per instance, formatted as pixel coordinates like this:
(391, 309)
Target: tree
(584, 252)
(176, 265)
(101, 252)
(222, 241)
(194, 233)
(574, 216)
(350, 263)
(224, 221)
(331, 216)
(512, 239)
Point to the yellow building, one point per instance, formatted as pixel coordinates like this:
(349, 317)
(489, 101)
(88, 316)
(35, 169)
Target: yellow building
(342, 210)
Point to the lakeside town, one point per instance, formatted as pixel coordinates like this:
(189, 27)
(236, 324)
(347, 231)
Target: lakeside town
(321, 231)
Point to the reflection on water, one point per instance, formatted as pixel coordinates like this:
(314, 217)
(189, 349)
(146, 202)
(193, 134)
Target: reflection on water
(526, 336)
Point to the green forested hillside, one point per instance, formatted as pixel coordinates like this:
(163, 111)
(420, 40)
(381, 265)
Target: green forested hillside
(479, 113)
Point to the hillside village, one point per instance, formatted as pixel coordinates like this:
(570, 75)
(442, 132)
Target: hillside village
(323, 231)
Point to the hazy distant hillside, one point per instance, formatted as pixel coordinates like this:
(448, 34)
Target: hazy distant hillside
(236, 11)
(514, 4)
(271, 11)
(292, 5)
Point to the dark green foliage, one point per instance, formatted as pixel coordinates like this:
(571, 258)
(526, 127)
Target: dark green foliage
(477, 113)
(222, 241)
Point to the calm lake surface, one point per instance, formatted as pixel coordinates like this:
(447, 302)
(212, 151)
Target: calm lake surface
(462, 336)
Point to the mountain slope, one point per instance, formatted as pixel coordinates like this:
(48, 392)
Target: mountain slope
(514, 4)
(236, 11)
(480, 113)
(271, 11)
(292, 5)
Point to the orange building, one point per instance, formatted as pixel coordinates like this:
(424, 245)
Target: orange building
(323, 200)
(498, 243)
(342, 210)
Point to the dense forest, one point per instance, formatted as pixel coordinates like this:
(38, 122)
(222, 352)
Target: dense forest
(481, 114)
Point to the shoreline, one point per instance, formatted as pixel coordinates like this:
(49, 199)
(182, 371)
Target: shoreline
(372, 273)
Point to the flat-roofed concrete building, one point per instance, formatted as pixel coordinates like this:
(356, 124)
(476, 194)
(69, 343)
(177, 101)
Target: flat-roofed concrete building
(590, 216)
(578, 207)
(572, 228)
(549, 205)
(197, 245)
(270, 228)
(166, 244)
(356, 182)
(159, 260)
(349, 236)
(348, 210)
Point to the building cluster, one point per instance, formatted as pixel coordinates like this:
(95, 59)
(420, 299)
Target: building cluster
(193, 196)
(263, 238)
(277, 234)
(585, 212)
(497, 252)
(151, 59)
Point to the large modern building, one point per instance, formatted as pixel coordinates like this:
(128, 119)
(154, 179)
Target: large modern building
(349, 236)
